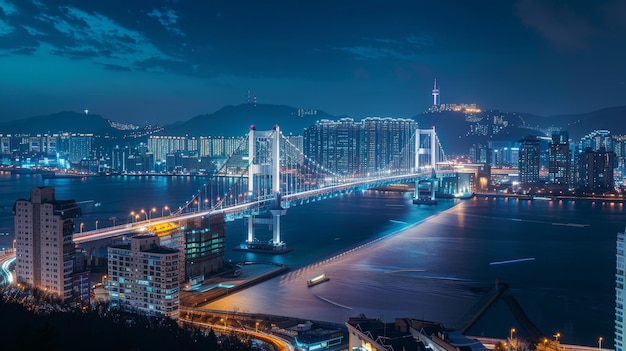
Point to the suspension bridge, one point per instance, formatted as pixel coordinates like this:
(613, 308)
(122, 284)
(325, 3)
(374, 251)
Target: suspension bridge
(269, 174)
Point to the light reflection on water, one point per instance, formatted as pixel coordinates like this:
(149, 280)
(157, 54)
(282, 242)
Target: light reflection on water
(435, 270)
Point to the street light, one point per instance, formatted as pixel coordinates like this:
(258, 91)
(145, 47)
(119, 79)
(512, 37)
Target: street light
(81, 226)
(557, 336)
(165, 208)
(511, 333)
(600, 343)
(257, 328)
(146, 214)
(152, 210)
(96, 224)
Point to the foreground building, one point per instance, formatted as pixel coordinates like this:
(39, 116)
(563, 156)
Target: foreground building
(46, 256)
(406, 334)
(620, 293)
(144, 277)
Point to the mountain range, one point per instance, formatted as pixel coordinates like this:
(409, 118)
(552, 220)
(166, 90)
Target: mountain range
(456, 130)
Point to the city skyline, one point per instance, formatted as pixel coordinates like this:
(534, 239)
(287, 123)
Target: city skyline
(170, 61)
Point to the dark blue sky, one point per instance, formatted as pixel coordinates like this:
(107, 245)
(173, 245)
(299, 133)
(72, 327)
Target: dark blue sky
(165, 61)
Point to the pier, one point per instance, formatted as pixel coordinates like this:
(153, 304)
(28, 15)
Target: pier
(466, 322)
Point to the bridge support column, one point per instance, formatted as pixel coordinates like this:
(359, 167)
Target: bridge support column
(276, 226)
(250, 228)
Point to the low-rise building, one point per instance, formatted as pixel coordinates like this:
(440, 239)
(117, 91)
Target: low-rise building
(144, 277)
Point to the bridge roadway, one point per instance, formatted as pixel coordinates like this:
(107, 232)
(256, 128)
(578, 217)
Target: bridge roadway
(243, 208)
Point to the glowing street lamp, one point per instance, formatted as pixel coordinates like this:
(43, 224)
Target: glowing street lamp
(600, 343)
(152, 210)
(557, 336)
(81, 226)
(511, 333)
(165, 208)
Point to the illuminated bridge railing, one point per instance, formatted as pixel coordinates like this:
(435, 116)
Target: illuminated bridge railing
(235, 211)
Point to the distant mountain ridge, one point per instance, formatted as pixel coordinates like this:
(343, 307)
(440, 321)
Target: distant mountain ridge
(236, 120)
(66, 121)
(456, 130)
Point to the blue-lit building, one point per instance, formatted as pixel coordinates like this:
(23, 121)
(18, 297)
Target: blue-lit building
(620, 292)
(372, 145)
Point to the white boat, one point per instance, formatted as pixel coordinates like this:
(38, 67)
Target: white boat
(317, 280)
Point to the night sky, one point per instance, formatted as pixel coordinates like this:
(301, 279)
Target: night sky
(165, 61)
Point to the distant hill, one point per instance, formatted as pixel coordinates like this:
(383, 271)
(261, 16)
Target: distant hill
(66, 121)
(458, 131)
(236, 120)
(579, 125)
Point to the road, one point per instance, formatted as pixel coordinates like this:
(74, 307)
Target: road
(279, 343)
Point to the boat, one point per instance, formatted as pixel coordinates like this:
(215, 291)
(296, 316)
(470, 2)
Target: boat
(317, 280)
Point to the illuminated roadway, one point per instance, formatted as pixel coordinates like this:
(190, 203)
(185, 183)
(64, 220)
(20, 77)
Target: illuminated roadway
(240, 209)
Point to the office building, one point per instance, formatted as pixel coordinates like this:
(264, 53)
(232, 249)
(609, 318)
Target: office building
(46, 256)
(205, 241)
(595, 169)
(620, 293)
(529, 161)
(559, 159)
(144, 277)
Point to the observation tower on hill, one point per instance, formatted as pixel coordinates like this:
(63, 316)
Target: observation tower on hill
(435, 95)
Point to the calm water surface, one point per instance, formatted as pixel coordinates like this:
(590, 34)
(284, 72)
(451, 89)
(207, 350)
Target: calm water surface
(427, 262)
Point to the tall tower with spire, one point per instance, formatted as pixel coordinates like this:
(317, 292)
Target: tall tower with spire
(435, 94)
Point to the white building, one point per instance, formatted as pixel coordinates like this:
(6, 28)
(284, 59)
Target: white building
(619, 293)
(145, 277)
(45, 252)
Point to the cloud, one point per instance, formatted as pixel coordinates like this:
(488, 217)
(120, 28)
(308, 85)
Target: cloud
(408, 49)
(116, 68)
(79, 34)
(8, 8)
(168, 18)
(5, 28)
(33, 31)
(561, 24)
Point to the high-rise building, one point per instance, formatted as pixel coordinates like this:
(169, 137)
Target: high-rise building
(620, 293)
(79, 147)
(597, 139)
(45, 253)
(559, 159)
(372, 145)
(529, 160)
(144, 277)
(595, 169)
(205, 240)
